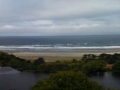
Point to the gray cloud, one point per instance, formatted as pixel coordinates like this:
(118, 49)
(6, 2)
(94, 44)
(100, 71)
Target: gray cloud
(59, 17)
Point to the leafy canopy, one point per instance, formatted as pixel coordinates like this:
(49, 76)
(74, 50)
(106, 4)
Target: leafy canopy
(67, 80)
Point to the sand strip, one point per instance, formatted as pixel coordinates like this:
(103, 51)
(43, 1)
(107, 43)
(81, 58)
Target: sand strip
(54, 55)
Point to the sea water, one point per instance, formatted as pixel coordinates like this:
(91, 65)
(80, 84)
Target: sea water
(59, 42)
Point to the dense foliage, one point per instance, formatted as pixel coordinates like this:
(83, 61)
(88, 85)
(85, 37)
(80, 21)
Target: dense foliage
(39, 61)
(67, 80)
(89, 64)
(109, 58)
(94, 67)
(18, 63)
(52, 67)
(116, 68)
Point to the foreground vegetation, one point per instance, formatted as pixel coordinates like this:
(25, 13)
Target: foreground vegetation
(67, 80)
(69, 72)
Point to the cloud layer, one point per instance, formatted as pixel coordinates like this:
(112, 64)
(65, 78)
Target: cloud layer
(59, 17)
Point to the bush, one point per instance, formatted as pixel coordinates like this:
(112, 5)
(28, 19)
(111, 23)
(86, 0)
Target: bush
(39, 61)
(67, 80)
(94, 67)
(116, 68)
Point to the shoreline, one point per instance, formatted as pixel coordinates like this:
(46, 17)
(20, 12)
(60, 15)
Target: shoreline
(55, 55)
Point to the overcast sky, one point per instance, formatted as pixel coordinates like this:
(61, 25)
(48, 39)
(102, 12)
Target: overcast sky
(59, 17)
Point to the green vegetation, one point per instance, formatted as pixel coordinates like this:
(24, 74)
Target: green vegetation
(67, 80)
(69, 76)
(38, 61)
(18, 63)
(94, 67)
(116, 68)
(89, 64)
(106, 59)
(109, 58)
(52, 67)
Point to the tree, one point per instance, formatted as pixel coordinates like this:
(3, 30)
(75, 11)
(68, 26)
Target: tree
(94, 67)
(88, 57)
(39, 61)
(116, 68)
(67, 80)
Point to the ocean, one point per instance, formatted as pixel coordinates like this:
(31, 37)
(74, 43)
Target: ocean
(59, 42)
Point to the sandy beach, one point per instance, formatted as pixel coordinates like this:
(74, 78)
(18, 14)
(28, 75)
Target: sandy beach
(55, 55)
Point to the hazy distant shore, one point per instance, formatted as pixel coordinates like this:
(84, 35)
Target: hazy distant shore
(54, 55)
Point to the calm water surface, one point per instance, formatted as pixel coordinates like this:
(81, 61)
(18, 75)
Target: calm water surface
(12, 79)
(108, 80)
